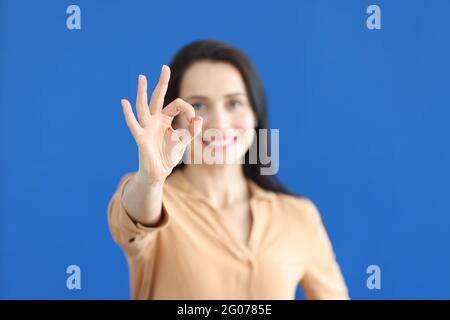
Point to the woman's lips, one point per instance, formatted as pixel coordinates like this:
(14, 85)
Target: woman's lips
(220, 143)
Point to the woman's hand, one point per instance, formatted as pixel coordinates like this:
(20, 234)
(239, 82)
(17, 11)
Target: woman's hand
(160, 149)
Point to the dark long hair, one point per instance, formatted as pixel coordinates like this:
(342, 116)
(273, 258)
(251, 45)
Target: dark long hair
(217, 51)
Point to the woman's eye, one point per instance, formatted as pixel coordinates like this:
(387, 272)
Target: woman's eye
(235, 103)
(198, 105)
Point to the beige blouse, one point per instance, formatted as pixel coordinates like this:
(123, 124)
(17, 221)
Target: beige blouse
(191, 254)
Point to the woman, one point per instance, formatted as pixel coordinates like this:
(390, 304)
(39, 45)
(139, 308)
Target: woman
(213, 230)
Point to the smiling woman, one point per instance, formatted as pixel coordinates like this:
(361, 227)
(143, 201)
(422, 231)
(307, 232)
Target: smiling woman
(222, 230)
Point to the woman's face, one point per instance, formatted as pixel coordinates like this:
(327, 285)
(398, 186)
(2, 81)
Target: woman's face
(217, 92)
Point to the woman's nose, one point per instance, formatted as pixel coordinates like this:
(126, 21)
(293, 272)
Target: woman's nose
(218, 118)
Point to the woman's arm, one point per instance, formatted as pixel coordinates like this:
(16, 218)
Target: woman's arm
(143, 200)
(323, 278)
(132, 236)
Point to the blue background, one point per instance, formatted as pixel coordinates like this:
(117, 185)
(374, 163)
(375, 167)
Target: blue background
(363, 118)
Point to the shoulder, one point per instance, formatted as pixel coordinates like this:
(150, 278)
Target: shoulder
(299, 208)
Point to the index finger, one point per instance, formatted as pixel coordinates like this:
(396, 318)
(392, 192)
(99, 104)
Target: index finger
(157, 99)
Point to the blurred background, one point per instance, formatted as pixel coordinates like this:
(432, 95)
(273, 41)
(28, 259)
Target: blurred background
(363, 117)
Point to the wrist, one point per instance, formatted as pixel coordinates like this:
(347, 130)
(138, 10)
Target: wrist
(143, 179)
